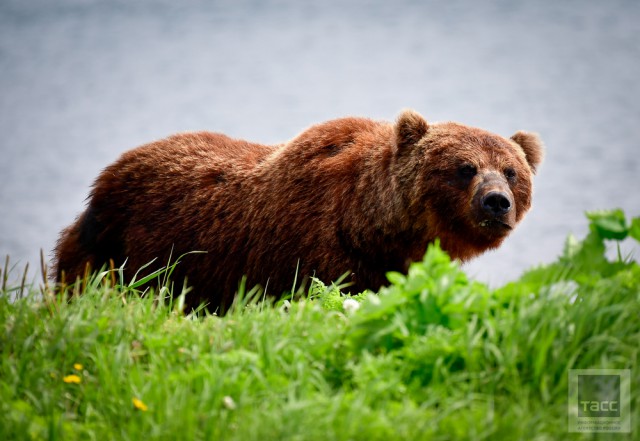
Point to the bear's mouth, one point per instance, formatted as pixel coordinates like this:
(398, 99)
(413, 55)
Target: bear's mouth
(495, 224)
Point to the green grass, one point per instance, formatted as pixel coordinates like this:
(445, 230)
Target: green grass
(433, 356)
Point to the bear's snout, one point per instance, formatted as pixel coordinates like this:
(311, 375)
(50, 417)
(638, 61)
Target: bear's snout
(496, 203)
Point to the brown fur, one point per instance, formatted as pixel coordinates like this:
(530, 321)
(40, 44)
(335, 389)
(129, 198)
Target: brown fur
(347, 195)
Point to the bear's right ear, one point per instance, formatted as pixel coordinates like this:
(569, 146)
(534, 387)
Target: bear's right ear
(410, 128)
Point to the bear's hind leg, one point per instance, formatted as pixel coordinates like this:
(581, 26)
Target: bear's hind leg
(88, 242)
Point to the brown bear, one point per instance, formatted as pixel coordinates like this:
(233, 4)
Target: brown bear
(350, 195)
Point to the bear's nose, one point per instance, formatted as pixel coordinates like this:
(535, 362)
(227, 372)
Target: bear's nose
(496, 203)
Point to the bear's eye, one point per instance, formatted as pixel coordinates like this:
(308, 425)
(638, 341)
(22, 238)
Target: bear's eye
(467, 171)
(510, 174)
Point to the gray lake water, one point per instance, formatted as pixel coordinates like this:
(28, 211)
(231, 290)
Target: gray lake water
(81, 81)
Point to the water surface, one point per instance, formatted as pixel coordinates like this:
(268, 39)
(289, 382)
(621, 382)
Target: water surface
(82, 81)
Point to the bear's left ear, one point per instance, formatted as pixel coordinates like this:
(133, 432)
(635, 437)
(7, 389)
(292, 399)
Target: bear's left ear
(532, 146)
(410, 128)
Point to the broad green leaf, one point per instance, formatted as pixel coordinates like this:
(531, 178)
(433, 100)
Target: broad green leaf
(610, 224)
(396, 278)
(634, 231)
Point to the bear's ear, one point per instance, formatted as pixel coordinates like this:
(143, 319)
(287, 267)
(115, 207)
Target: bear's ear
(410, 128)
(532, 147)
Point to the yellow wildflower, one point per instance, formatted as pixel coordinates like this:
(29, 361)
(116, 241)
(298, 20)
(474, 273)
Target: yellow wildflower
(72, 379)
(138, 404)
(77, 367)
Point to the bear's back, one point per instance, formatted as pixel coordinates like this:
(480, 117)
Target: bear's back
(198, 151)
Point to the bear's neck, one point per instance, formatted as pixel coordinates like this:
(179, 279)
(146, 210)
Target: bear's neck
(377, 224)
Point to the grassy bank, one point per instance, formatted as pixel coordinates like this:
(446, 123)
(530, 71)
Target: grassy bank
(433, 356)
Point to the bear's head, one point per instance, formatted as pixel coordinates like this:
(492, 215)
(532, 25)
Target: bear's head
(463, 185)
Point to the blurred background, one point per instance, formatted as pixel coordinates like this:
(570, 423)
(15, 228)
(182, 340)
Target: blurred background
(82, 81)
